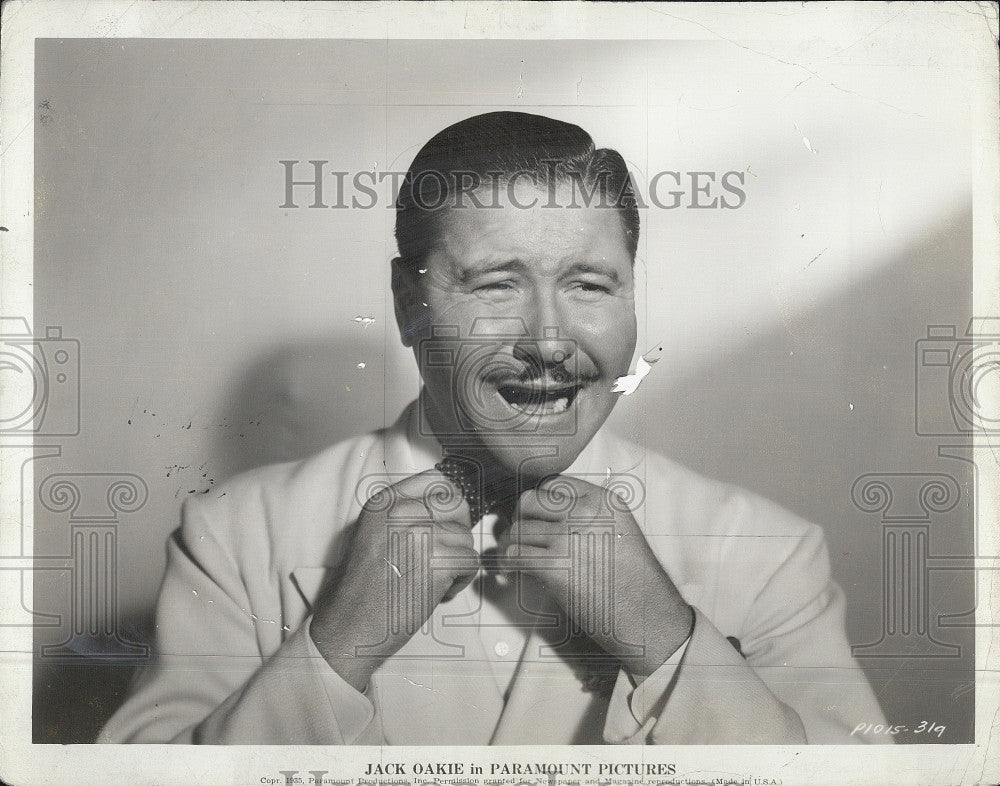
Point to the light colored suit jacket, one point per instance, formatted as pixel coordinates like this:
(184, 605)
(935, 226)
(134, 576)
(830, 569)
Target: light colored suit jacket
(235, 664)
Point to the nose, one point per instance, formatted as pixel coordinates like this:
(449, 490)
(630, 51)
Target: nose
(548, 348)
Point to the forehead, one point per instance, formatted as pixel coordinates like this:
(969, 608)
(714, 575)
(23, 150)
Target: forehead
(526, 224)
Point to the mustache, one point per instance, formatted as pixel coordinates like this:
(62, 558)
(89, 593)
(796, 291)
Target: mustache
(499, 364)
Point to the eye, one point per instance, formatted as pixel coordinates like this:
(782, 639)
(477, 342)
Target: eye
(495, 286)
(590, 290)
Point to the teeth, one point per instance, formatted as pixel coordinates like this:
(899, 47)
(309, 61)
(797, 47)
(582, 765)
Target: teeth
(545, 408)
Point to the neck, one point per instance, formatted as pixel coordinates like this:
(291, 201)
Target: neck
(487, 485)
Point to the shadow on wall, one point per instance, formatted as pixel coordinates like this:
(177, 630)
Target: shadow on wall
(300, 398)
(796, 414)
(799, 413)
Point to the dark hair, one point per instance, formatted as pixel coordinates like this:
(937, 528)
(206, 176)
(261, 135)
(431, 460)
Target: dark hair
(494, 147)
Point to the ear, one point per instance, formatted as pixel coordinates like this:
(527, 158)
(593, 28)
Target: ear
(411, 313)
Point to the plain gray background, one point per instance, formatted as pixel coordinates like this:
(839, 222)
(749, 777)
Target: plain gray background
(218, 331)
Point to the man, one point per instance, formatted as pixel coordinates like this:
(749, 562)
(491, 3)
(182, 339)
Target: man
(495, 568)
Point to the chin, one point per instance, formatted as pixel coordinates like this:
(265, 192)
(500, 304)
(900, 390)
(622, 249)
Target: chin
(535, 458)
(527, 460)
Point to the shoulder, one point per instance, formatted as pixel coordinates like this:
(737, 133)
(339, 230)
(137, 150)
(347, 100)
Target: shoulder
(297, 504)
(686, 502)
(734, 553)
(694, 520)
(274, 485)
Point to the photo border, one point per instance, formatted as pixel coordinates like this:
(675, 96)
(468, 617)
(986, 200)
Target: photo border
(972, 27)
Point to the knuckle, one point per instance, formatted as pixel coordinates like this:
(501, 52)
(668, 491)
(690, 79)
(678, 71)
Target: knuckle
(450, 527)
(380, 500)
(614, 499)
(527, 500)
(448, 540)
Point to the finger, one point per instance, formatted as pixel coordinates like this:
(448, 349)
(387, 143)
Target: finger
(398, 510)
(519, 556)
(459, 584)
(441, 498)
(533, 533)
(457, 561)
(453, 540)
(553, 499)
(463, 566)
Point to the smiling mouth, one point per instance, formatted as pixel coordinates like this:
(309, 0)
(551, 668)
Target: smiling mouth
(539, 399)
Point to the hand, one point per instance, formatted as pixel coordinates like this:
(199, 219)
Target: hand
(389, 586)
(581, 542)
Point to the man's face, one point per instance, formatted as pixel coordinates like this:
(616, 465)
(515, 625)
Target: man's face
(539, 302)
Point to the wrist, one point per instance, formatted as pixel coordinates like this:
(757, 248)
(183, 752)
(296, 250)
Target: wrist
(340, 652)
(660, 646)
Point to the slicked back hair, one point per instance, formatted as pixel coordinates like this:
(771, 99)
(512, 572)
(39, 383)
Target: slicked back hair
(491, 150)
